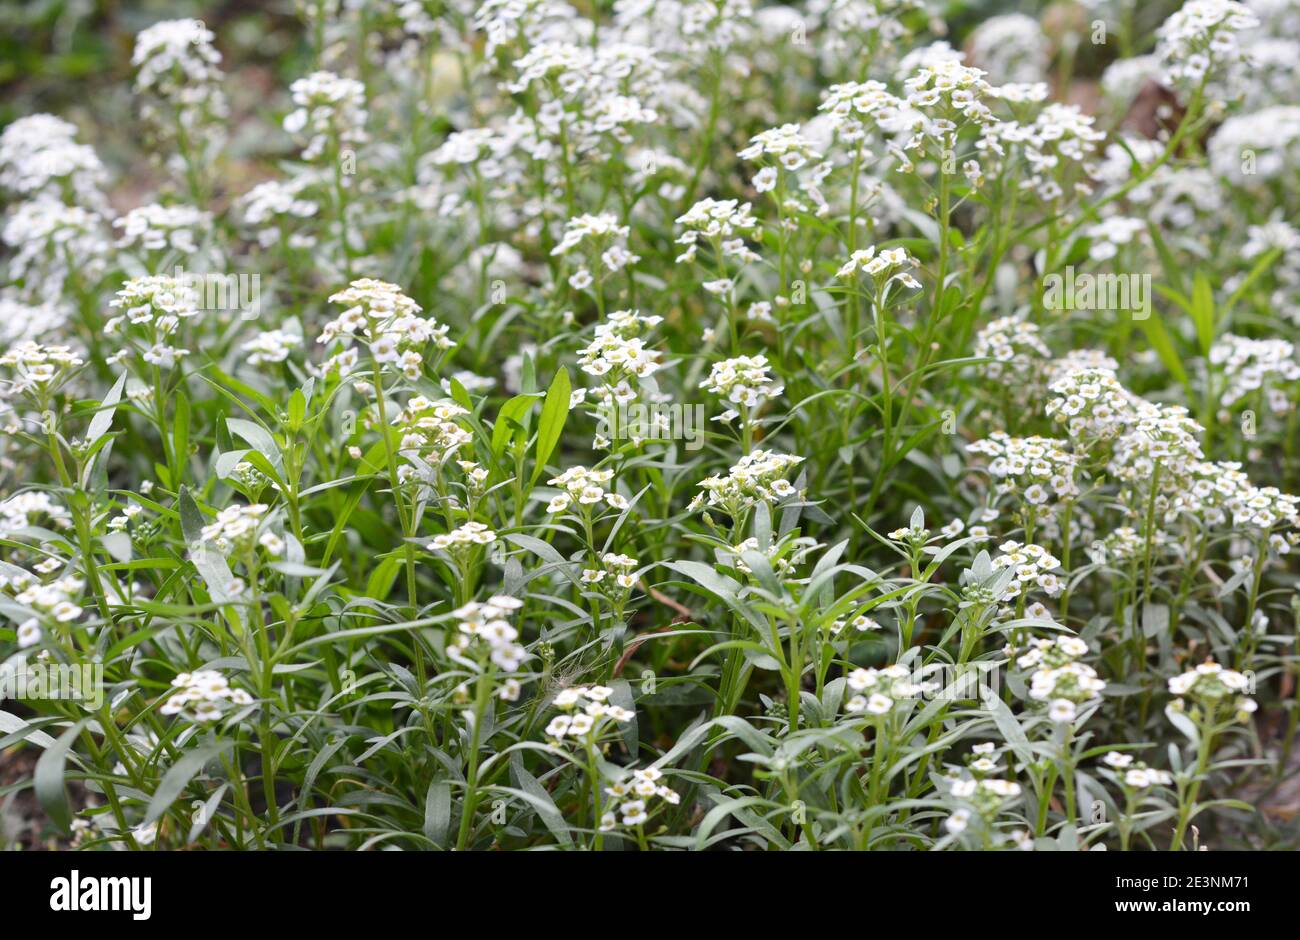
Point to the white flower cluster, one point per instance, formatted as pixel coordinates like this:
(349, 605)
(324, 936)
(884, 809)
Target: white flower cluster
(757, 477)
(1134, 774)
(53, 242)
(1034, 567)
(429, 429)
(877, 691)
(159, 228)
(584, 487)
(508, 21)
(270, 346)
(1251, 365)
(1035, 467)
(41, 159)
(1092, 404)
(330, 110)
(744, 381)
(203, 696)
(236, 529)
(1253, 149)
(25, 509)
(486, 624)
(153, 308)
(614, 574)
(1163, 435)
(635, 794)
(1122, 544)
(985, 797)
(618, 352)
(1011, 48)
(1211, 686)
(179, 76)
(281, 203)
(21, 319)
(1264, 507)
(849, 103)
(945, 92)
(586, 714)
(722, 222)
(388, 322)
(605, 241)
(785, 144)
(463, 537)
(1200, 38)
(37, 367)
(1061, 137)
(880, 265)
(58, 601)
(1108, 235)
(1016, 347)
(1059, 678)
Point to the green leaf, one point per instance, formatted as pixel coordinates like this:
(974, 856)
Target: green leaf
(510, 421)
(437, 812)
(179, 776)
(256, 435)
(103, 419)
(546, 808)
(297, 409)
(1202, 310)
(1010, 728)
(48, 777)
(555, 412)
(1161, 342)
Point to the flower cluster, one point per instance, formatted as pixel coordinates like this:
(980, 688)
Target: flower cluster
(153, 309)
(723, 223)
(484, 626)
(880, 265)
(429, 430)
(639, 795)
(877, 691)
(330, 111)
(586, 489)
(203, 696)
(57, 601)
(1034, 567)
(1200, 38)
(38, 368)
(236, 528)
(1035, 468)
(1015, 346)
(585, 715)
(159, 228)
(745, 381)
(615, 574)
(1213, 688)
(757, 477)
(617, 352)
(1092, 405)
(177, 64)
(388, 322)
(605, 242)
(1059, 679)
(1252, 365)
(1134, 774)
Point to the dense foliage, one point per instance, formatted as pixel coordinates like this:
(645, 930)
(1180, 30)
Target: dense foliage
(674, 424)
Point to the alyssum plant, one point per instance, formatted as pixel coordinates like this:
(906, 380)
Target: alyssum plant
(953, 569)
